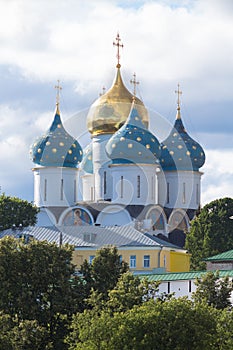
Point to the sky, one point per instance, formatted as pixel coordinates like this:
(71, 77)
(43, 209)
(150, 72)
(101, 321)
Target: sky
(165, 42)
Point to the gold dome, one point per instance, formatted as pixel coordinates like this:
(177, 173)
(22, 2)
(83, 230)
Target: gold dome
(109, 112)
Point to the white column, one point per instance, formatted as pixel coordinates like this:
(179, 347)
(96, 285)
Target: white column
(102, 174)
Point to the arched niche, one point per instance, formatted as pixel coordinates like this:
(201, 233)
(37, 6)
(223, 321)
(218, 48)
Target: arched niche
(114, 215)
(76, 216)
(45, 218)
(178, 220)
(157, 218)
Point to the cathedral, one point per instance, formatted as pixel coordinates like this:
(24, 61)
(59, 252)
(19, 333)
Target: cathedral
(126, 176)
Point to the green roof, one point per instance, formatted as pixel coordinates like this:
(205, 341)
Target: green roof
(175, 276)
(222, 256)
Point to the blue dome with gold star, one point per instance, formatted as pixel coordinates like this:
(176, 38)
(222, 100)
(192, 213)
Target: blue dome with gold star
(179, 151)
(133, 143)
(56, 147)
(87, 162)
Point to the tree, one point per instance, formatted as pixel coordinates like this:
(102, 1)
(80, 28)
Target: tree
(102, 275)
(211, 232)
(37, 283)
(17, 212)
(178, 324)
(18, 335)
(214, 290)
(130, 290)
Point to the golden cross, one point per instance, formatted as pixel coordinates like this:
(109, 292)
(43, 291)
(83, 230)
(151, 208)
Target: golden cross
(135, 83)
(59, 88)
(178, 92)
(103, 91)
(118, 45)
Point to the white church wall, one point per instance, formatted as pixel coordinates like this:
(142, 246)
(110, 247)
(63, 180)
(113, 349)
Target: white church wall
(88, 187)
(180, 288)
(55, 186)
(134, 184)
(182, 189)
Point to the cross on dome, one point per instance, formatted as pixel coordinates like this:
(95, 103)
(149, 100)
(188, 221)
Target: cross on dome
(118, 45)
(178, 92)
(58, 88)
(135, 83)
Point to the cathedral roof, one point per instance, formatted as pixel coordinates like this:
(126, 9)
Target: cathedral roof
(179, 151)
(133, 142)
(56, 147)
(110, 111)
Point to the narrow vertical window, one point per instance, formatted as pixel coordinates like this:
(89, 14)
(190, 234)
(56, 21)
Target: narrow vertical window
(62, 185)
(92, 193)
(152, 188)
(132, 261)
(75, 191)
(122, 186)
(146, 261)
(184, 195)
(168, 192)
(197, 194)
(164, 261)
(45, 190)
(168, 287)
(105, 182)
(138, 186)
(91, 258)
(190, 286)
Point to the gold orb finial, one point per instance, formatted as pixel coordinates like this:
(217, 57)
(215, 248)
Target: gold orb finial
(118, 45)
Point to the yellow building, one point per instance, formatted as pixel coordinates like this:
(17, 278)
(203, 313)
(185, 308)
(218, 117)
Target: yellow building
(142, 251)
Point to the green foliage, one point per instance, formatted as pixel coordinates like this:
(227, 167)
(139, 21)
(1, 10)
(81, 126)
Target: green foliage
(224, 330)
(130, 291)
(211, 232)
(15, 211)
(215, 291)
(102, 275)
(21, 335)
(178, 324)
(35, 284)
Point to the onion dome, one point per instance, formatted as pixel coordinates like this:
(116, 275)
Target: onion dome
(110, 111)
(179, 151)
(133, 142)
(87, 162)
(56, 147)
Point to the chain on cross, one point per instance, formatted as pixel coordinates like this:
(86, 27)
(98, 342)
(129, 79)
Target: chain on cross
(103, 91)
(118, 45)
(58, 88)
(135, 83)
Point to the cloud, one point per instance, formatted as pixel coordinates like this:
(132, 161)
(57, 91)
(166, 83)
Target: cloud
(165, 42)
(218, 175)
